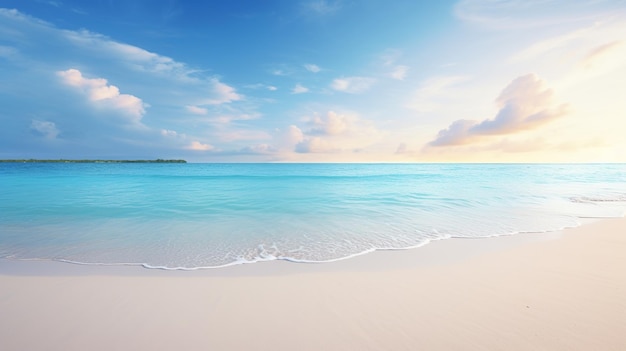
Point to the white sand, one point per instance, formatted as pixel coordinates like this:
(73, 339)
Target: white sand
(568, 293)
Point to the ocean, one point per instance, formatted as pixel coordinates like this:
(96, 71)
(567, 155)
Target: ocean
(192, 216)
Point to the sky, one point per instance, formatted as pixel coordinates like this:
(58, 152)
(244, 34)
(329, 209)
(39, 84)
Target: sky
(314, 80)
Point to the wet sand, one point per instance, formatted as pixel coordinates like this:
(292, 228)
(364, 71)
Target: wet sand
(550, 291)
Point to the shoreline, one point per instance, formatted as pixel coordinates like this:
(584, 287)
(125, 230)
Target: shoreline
(436, 252)
(558, 291)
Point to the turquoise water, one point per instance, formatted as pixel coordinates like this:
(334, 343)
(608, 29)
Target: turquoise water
(187, 216)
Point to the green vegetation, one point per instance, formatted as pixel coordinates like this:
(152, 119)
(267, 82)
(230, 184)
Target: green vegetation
(93, 161)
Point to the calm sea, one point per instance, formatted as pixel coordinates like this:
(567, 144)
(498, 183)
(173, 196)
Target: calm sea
(187, 216)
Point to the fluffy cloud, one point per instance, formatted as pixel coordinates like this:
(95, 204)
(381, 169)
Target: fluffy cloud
(312, 68)
(114, 59)
(109, 85)
(526, 103)
(133, 57)
(352, 85)
(196, 110)
(294, 135)
(169, 133)
(331, 124)
(45, 129)
(229, 118)
(459, 132)
(101, 93)
(223, 93)
(288, 138)
(335, 132)
(198, 146)
(299, 89)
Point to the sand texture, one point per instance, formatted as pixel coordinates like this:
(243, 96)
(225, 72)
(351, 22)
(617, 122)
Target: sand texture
(566, 293)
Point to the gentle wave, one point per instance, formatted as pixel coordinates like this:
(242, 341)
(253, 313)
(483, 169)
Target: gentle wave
(270, 257)
(177, 217)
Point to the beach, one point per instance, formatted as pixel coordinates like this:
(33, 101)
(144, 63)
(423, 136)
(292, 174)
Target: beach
(312, 175)
(548, 291)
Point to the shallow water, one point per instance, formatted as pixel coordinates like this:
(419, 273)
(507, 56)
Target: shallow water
(187, 216)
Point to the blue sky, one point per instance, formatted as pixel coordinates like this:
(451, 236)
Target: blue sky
(314, 80)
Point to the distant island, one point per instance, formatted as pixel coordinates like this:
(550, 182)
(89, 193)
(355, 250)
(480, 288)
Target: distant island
(31, 160)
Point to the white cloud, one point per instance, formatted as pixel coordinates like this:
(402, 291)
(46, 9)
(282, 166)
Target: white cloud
(312, 68)
(122, 61)
(601, 52)
(169, 133)
(198, 146)
(101, 100)
(352, 85)
(299, 89)
(399, 72)
(590, 36)
(331, 124)
(100, 92)
(219, 92)
(458, 133)
(196, 110)
(335, 132)
(261, 86)
(523, 14)
(45, 129)
(526, 103)
(14, 14)
(545, 46)
(226, 118)
(223, 93)
(294, 135)
(158, 66)
(279, 72)
(135, 57)
(287, 139)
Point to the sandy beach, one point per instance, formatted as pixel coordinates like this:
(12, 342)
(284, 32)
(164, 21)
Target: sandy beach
(551, 291)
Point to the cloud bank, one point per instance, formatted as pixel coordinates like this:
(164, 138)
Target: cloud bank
(353, 85)
(334, 132)
(526, 103)
(99, 92)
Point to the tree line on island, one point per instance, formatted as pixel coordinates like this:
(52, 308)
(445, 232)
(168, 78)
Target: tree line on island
(31, 160)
